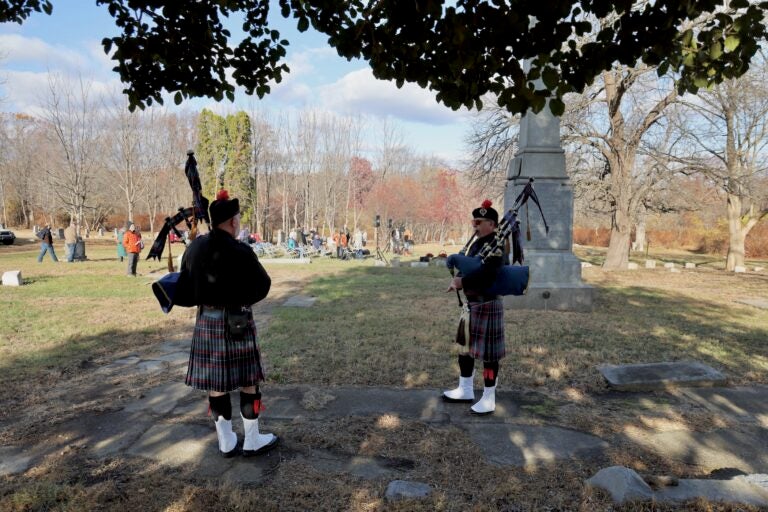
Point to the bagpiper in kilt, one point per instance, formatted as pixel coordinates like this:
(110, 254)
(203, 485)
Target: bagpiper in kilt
(481, 326)
(223, 277)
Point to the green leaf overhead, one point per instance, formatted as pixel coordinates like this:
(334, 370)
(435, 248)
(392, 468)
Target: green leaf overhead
(460, 50)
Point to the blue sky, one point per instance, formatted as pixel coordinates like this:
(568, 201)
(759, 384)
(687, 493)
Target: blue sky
(69, 42)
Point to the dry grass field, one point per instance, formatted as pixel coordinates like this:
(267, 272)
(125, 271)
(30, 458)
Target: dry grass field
(370, 326)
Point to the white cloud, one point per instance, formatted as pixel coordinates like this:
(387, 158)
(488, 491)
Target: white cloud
(359, 92)
(26, 91)
(32, 51)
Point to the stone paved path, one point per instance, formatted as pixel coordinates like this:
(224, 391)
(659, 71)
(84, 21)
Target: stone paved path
(168, 424)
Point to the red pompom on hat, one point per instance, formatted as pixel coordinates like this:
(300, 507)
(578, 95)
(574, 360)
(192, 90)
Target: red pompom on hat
(223, 208)
(486, 212)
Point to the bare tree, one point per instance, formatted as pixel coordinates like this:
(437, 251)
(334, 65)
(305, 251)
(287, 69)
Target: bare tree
(493, 144)
(71, 114)
(728, 129)
(612, 118)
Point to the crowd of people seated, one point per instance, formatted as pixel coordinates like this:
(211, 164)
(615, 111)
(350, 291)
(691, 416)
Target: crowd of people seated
(341, 244)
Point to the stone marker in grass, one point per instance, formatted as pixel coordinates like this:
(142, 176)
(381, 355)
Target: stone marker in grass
(650, 263)
(625, 485)
(656, 376)
(12, 278)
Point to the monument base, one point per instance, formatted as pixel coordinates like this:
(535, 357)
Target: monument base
(554, 296)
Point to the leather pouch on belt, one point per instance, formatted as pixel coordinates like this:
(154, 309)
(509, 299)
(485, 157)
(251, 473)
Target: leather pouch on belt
(237, 324)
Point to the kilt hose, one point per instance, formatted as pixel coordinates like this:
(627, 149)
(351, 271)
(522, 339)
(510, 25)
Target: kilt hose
(217, 363)
(486, 331)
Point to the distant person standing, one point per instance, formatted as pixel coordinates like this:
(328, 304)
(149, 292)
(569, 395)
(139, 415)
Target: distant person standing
(70, 241)
(133, 246)
(120, 237)
(47, 244)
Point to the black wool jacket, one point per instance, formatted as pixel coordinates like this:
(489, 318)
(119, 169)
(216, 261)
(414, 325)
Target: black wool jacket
(217, 270)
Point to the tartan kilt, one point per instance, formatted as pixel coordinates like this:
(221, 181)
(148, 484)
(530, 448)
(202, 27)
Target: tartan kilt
(219, 364)
(486, 330)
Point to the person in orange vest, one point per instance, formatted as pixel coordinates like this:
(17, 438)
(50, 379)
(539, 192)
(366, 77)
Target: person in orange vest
(133, 246)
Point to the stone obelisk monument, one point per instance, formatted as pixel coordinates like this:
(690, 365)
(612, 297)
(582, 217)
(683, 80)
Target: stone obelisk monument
(555, 271)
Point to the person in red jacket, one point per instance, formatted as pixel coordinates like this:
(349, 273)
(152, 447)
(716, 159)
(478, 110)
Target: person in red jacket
(133, 246)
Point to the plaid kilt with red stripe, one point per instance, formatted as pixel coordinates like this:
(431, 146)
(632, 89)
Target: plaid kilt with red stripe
(486, 330)
(219, 364)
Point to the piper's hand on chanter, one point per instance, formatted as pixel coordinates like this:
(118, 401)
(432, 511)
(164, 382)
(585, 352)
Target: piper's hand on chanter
(455, 284)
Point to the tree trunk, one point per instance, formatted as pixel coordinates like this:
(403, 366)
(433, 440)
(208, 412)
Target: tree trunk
(736, 234)
(639, 244)
(618, 248)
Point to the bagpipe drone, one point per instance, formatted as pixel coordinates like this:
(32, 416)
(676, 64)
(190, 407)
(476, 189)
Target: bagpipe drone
(511, 279)
(166, 288)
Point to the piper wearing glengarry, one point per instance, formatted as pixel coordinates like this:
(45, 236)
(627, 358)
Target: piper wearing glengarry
(481, 329)
(223, 277)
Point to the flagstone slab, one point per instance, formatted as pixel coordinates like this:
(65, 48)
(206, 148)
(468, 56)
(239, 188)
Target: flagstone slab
(300, 301)
(14, 460)
(757, 303)
(151, 365)
(530, 445)
(659, 376)
(745, 404)
(160, 400)
(174, 357)
(725, 448)
(723, 491)
(107, 434)
(175, 346)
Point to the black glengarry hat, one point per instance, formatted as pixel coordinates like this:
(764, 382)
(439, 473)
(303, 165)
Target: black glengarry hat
(486, 212)
(223, 208)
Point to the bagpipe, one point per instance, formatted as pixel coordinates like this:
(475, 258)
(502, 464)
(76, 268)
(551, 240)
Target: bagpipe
(511, 279)
(167, 288)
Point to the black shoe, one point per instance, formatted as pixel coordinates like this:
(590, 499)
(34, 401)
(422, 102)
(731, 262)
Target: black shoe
(457, 400)
(234, 451)
(263, 449)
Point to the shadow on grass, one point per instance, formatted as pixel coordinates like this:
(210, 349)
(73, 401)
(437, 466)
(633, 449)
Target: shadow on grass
(75, 354)
(385, 326)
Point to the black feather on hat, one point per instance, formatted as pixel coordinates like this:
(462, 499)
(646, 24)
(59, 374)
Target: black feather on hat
(223, 208)
(486, 212)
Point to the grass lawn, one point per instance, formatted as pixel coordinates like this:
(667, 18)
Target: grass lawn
(370, 326)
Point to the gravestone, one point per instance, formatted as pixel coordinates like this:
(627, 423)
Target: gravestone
(650, 263)
(12, 278)
(739, 269)
(659, 376)
(555, 278)
(690, 265)
(61, 233)
(80, 250)
(669, 264)
(759, 269)
(632, 266)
